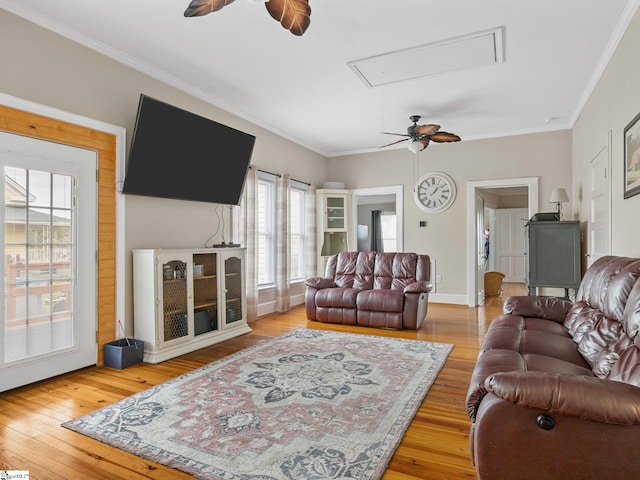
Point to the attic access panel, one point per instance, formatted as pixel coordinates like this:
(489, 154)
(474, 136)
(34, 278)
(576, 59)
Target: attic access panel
(459, 53)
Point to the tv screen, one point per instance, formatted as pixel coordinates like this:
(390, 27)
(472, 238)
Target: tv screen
(178, 154)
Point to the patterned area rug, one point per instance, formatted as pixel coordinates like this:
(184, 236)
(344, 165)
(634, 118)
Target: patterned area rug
(307, 405)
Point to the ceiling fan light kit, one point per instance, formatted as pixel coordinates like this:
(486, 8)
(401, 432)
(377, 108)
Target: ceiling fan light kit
(294, 15)
(416, 146)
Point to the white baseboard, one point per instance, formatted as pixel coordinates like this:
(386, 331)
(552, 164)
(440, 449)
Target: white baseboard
(297, 300)
(448, 298)
(270, 307)
(266, 308)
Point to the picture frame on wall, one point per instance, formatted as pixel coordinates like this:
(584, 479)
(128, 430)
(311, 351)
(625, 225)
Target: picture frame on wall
(632, 158)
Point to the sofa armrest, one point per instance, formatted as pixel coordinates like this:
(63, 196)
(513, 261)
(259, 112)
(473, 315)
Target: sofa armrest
(586, 398)
(420, 286)
(320, 283)
(549, 308)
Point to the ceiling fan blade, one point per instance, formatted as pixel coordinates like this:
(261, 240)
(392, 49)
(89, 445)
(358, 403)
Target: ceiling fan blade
(428, 129)
(393, 143)
(294, 15)
(424, 141)
(198, 8)
(398, 134)
(442, 137)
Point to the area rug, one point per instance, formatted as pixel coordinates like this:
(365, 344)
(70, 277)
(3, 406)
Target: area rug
(309, 404)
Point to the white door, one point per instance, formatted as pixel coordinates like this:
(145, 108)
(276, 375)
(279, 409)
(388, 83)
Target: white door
(599, 206)
(509, 243)
(48, 318)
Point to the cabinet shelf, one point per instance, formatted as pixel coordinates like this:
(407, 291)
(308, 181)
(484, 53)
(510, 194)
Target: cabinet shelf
(204, 277)
(203, 305)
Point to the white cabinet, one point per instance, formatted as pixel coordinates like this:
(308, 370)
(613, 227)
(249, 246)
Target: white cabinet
(333, 211)
(187, 299)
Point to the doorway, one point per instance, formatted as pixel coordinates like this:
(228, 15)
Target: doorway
(476, 253)
(387, 199)
(49, 308)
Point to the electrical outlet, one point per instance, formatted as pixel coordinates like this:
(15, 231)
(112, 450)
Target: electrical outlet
(438, 278)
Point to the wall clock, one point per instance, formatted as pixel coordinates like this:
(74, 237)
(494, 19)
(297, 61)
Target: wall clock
(434, 192)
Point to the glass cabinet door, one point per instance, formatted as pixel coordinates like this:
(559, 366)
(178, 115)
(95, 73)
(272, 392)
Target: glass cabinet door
(233, 289)
(335, 212)
(205, 293)
(174, 300)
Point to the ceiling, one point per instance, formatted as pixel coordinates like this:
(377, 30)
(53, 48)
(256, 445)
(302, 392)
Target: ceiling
(550, 55)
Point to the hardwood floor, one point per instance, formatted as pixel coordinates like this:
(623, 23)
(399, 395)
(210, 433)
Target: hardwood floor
(434, 447)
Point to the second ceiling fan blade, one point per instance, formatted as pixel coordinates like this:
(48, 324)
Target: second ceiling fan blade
(442, 137)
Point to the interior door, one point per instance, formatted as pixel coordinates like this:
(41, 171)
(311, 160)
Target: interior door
(598, 229)
(510, 246)
(49, 315)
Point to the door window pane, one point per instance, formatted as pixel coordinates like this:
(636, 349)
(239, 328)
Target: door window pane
(38, 246)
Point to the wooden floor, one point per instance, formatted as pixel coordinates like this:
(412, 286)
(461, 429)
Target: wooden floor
(434, 447)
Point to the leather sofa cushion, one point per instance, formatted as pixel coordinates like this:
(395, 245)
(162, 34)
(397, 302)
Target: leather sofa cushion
(609, 356)
(523, 323)
(543, 363)
(353, 270)
(380, 300)
(534, 342)
(608, 283)
(631, 316)
(627, 368)
(394, 271)
(337, 297)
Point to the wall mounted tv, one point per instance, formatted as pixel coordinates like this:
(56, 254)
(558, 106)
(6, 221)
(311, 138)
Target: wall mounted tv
(178, 154)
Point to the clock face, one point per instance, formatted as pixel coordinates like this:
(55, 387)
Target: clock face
(434, 192)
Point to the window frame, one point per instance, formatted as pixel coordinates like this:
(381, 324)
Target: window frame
(269, 182)
(300, 189)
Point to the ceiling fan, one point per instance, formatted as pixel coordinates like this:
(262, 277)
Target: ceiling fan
(419, 136)
(294, 15)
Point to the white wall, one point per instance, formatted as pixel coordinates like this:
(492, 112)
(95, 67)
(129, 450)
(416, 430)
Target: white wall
(613, 104)
(543, 155)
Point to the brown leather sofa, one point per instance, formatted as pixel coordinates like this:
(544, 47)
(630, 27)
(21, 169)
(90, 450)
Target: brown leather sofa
(383, 290)
(555, 392)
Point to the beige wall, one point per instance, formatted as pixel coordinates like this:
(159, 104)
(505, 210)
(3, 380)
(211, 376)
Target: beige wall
(45, 68)
(613, 104)
(544, 155)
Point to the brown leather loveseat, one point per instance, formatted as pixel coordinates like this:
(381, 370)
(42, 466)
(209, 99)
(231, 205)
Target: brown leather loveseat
(384, 290)
(555, 392)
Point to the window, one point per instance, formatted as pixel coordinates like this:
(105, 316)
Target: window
(297, 230)
(266, 229)
(388, 220)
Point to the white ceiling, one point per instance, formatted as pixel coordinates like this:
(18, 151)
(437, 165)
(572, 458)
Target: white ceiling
(303, 88)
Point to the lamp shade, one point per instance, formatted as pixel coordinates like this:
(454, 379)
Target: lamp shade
(559, 195)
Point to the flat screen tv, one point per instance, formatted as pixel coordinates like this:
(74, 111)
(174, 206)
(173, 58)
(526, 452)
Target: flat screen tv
(178, 154)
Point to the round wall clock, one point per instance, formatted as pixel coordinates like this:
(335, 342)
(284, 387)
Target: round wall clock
(434, 192)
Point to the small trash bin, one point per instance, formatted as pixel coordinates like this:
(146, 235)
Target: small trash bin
(123, 353)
